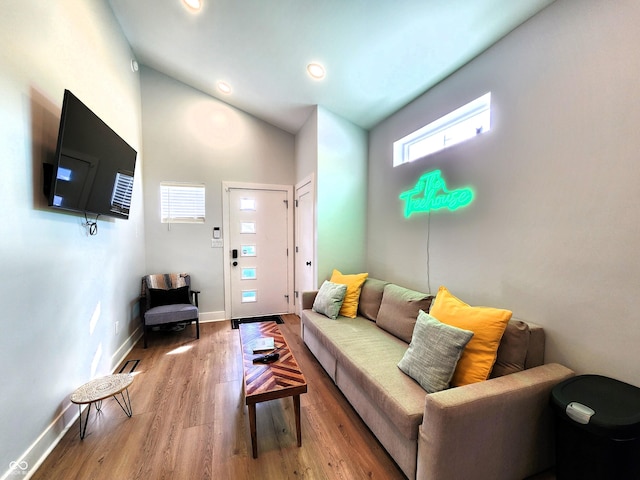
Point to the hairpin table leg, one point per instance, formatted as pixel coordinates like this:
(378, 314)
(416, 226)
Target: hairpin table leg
(86, 420)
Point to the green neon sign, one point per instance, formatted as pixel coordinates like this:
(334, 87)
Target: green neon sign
(431, 193)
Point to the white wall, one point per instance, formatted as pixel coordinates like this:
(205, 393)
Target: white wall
(335, 151)
(61, 291)
(341, 195)
(192, 137)
(553, 232)
(306, 148)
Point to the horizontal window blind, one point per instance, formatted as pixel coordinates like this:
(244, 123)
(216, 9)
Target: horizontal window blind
(121, 196)
(182, 202)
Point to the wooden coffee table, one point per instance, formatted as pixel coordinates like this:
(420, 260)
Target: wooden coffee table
(263, 382)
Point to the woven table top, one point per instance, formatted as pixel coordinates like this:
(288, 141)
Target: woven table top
(101, 388)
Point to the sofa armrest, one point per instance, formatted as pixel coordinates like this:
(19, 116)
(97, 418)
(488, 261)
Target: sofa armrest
(308, 298)
(500, 428)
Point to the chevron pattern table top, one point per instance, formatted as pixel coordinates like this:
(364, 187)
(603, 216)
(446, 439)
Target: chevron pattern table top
(279, 379)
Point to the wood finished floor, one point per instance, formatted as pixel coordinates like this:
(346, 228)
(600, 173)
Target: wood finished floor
(190, 421)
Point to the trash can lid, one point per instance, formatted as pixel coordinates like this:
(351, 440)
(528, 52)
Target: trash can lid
(616, 405)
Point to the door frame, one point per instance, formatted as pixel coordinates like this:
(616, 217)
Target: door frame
(309, 180)
(226, 260)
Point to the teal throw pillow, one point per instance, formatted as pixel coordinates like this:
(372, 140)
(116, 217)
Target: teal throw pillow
(434, 352)
(329, 299)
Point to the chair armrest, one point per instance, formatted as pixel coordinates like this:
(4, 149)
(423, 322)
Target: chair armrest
(194, 297)
(142, 299)
(308, 298)
(500, 428)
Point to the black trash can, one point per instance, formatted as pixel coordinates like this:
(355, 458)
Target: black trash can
(597, 429)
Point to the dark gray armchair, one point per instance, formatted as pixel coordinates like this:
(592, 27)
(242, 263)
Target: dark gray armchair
(167, 299)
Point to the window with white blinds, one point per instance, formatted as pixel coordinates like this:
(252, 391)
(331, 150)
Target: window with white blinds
(182, 202)
(121, 196)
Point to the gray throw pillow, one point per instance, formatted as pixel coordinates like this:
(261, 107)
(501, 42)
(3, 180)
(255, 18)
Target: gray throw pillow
(329, 299)
(399, 309)
(434, 352)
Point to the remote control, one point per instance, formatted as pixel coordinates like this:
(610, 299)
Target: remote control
(270, 358)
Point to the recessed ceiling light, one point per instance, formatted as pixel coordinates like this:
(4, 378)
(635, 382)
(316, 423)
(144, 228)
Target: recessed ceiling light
(316, 70)
(224, 88)
(194, 5)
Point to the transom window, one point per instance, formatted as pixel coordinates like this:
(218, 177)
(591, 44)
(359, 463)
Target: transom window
(181, 202)
(466, 122)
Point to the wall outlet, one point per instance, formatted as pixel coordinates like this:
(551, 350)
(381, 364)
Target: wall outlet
(117, 327)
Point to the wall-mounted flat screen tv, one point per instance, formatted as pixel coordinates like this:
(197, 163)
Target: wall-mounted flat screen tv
(93, 168)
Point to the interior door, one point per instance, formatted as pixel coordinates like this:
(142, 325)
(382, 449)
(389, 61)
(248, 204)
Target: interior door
(304, 240)
(258, 252)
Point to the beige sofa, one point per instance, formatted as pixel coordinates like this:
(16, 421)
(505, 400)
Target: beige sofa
(500, 428)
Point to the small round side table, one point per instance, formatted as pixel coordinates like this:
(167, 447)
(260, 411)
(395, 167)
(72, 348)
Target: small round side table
(100, 388)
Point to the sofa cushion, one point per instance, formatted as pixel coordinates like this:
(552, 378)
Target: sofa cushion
(513, 348)
(371, 297)
(487, 324)
(329, 299)
(370, 356)
(433, 353)
(354, 284)
(399, 310)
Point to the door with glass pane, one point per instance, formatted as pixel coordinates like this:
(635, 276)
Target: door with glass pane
(258, 251)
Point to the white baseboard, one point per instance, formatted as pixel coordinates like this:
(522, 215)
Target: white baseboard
(212, 316)
(51, 436)
(40, 449)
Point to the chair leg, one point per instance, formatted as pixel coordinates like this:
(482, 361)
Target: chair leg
(144, 335)
(197, 328)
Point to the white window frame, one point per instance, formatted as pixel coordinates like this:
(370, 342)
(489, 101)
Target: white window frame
(466, 122)
(182, 202)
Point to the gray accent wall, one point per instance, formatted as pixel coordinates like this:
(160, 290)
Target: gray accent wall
(191, 137)
(554, 229)
(61, 290)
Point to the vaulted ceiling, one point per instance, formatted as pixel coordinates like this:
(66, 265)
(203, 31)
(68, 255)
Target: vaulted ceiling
(378, 55)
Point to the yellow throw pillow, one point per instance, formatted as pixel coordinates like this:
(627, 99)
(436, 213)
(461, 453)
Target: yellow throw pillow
(486, 323)
(354, 285)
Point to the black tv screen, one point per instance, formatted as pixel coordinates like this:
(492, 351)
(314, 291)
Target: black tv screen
(94, 167)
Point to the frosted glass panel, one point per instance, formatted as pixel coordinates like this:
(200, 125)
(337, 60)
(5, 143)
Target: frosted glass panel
(249, 296)
(248, 251)
(247, 204)
(248, 273)
(248, 227)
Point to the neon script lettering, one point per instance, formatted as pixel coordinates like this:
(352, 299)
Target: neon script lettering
(431, 193)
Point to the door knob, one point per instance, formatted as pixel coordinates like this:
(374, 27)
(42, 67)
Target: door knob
(235, 264)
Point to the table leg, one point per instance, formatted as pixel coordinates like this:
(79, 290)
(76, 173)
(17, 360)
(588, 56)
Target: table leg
(296, 409)
(126, 403)
(83, 431)
(252, 429)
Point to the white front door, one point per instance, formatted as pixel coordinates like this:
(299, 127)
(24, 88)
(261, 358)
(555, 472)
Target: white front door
(304, 240)
(257, 246)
